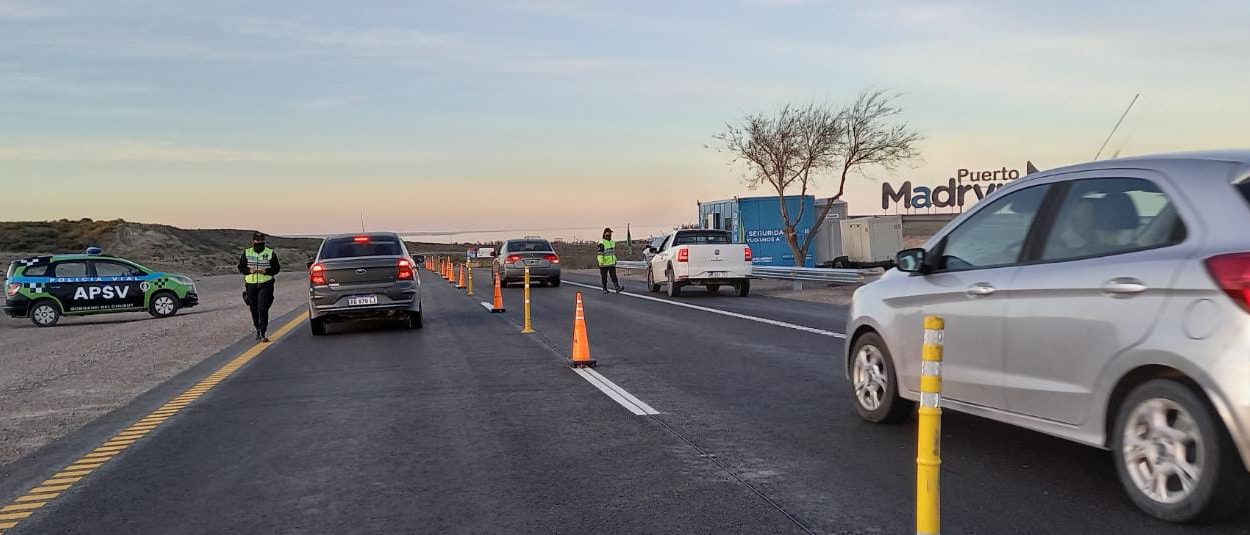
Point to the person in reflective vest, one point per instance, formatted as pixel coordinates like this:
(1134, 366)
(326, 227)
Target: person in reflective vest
(258, 264)
(607, 261)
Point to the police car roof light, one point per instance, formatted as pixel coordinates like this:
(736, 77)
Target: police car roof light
(95, 251)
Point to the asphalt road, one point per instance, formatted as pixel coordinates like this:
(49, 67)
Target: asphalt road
(469, 426)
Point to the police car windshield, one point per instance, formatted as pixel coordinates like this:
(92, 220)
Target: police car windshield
(353, 247)
(699, 237)
(524, 246)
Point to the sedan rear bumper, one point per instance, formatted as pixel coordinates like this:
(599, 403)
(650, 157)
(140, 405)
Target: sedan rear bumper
(511, 273)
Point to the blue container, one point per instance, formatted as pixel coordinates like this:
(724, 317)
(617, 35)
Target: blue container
(757, 222)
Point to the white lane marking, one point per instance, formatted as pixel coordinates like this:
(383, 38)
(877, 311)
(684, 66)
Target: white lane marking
(616, 393)
(794, 326)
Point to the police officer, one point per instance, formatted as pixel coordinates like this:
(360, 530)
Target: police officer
(607, 261)
(258, 265)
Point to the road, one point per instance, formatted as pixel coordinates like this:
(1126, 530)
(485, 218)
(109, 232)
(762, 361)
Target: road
(468, 426)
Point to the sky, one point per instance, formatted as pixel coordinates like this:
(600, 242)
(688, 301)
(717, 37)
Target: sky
(294, 116)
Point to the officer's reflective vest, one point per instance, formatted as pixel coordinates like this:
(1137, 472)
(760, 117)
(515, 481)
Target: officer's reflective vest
(608, 256)
(257, 260)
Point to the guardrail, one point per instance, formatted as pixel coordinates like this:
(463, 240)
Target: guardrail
(797, 274)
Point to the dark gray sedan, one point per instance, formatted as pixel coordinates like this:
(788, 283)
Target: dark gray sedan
(363, 276)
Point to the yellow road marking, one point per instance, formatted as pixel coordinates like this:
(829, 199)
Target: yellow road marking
(32, 497)
(22, 507)
(49, 490)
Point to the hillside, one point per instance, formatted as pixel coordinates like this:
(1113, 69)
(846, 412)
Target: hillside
(162, 247)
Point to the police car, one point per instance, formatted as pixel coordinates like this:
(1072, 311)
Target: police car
(44, 288)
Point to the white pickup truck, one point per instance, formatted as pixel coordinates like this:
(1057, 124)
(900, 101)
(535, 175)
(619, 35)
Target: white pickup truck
(698, 257)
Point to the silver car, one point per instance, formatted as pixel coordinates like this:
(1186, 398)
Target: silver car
(535, 253)
(1106, 303)
(361, 276)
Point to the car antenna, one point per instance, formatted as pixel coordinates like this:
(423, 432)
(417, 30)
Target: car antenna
(1117, 125)
(362, 221)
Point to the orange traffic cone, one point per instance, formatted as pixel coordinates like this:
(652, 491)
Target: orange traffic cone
(447, 272)
(497, 306)
(581, 342)
(461, 283)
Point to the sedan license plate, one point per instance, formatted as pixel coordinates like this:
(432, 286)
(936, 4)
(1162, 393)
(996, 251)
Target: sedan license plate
(362, 300)
(531, 262)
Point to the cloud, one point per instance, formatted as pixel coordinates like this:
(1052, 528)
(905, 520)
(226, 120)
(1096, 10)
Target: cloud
(69, 150)
(15, 10)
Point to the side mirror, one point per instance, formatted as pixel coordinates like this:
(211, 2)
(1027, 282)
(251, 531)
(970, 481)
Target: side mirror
(420, 259)
(912, 261)
(310, 263)
(649, 250)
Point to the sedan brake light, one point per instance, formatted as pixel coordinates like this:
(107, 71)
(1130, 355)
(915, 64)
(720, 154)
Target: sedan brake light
(1232, 273)
(512, 259)
(554, 259)
(747, 253)
(683, 255)
(317, 274)
(405, 270)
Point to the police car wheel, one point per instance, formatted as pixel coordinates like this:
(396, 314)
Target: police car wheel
(163, 305)
(45, 313)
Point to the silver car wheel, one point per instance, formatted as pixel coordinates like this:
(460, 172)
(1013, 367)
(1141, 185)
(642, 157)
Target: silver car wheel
(870, 378)
(44, 314)
(1163, 450)
(164, 305)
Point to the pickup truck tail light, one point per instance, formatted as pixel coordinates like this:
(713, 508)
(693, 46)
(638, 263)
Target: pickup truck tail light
(405, 270)
(11, 289)
(1232, 273)
(746, 254)
(554, 259)
(683, 255)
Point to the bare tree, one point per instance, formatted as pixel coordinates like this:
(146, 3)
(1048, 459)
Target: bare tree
(791, 149)
(784, 151)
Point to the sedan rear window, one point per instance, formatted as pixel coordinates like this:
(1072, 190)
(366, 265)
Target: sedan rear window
(701, 237)
(353, 247)
(523, 246)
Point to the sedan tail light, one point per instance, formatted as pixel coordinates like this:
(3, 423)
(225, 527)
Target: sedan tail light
(1232, 273)
(405, 270)
(512, 259)
(746, 254)
(317, 274)
(11, 289)
(683, 255)
(554, 259)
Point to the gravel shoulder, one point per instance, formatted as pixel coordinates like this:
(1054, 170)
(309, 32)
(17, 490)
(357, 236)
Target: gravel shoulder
(53, 381)
(813, 292)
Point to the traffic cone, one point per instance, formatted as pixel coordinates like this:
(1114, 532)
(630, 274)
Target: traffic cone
(581, 342)
(497, 306)
(461, 283)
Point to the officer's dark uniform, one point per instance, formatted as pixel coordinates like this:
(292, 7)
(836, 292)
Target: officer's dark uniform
(258, 265)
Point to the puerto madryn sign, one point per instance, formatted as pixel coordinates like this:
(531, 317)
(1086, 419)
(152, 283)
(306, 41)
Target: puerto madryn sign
(953, 193)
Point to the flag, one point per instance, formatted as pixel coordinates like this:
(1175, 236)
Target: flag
(629, 241)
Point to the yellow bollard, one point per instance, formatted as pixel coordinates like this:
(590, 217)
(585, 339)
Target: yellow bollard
(929, 435)
(470, 292)
(529, 322)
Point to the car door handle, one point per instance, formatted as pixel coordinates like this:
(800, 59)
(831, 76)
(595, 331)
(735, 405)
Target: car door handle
(980, 290)
(1123, 287)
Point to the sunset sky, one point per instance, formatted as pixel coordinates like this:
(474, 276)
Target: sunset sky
(292, 116)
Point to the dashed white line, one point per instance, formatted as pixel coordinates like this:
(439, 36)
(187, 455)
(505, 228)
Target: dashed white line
(618, 394)
(767, 321)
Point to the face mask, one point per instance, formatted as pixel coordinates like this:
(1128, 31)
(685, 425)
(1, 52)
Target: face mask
(258, 247)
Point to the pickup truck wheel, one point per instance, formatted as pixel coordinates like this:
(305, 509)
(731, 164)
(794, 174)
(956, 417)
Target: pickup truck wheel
(651, 285)
(673, 289)
(713, 288)
(744, 288)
